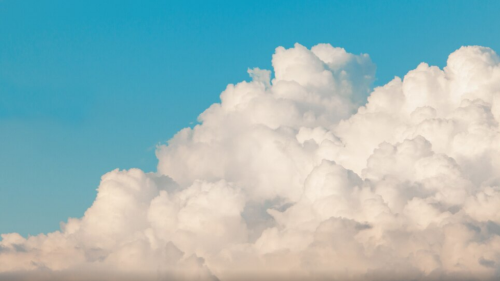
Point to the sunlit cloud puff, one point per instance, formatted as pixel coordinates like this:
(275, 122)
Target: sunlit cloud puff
(295, 176)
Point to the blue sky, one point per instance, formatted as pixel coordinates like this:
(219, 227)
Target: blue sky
(90, 86)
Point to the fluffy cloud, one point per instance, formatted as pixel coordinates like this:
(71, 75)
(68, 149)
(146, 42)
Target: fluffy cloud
(295, 177)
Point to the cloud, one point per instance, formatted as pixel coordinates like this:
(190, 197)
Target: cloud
(295, 177)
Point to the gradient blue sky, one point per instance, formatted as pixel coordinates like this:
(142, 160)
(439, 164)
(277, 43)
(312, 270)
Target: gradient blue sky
(90, 86)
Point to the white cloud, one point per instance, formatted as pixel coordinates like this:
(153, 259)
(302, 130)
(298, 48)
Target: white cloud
(291, 178)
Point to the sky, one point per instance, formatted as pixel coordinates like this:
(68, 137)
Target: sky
(90, 86)
(318, 140)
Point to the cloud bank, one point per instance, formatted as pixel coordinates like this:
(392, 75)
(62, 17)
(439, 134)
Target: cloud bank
(295, 177)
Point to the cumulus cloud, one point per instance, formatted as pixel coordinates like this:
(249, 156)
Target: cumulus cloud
(295, 177)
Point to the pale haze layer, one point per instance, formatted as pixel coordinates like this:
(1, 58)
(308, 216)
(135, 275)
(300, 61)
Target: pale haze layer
(293, 175)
